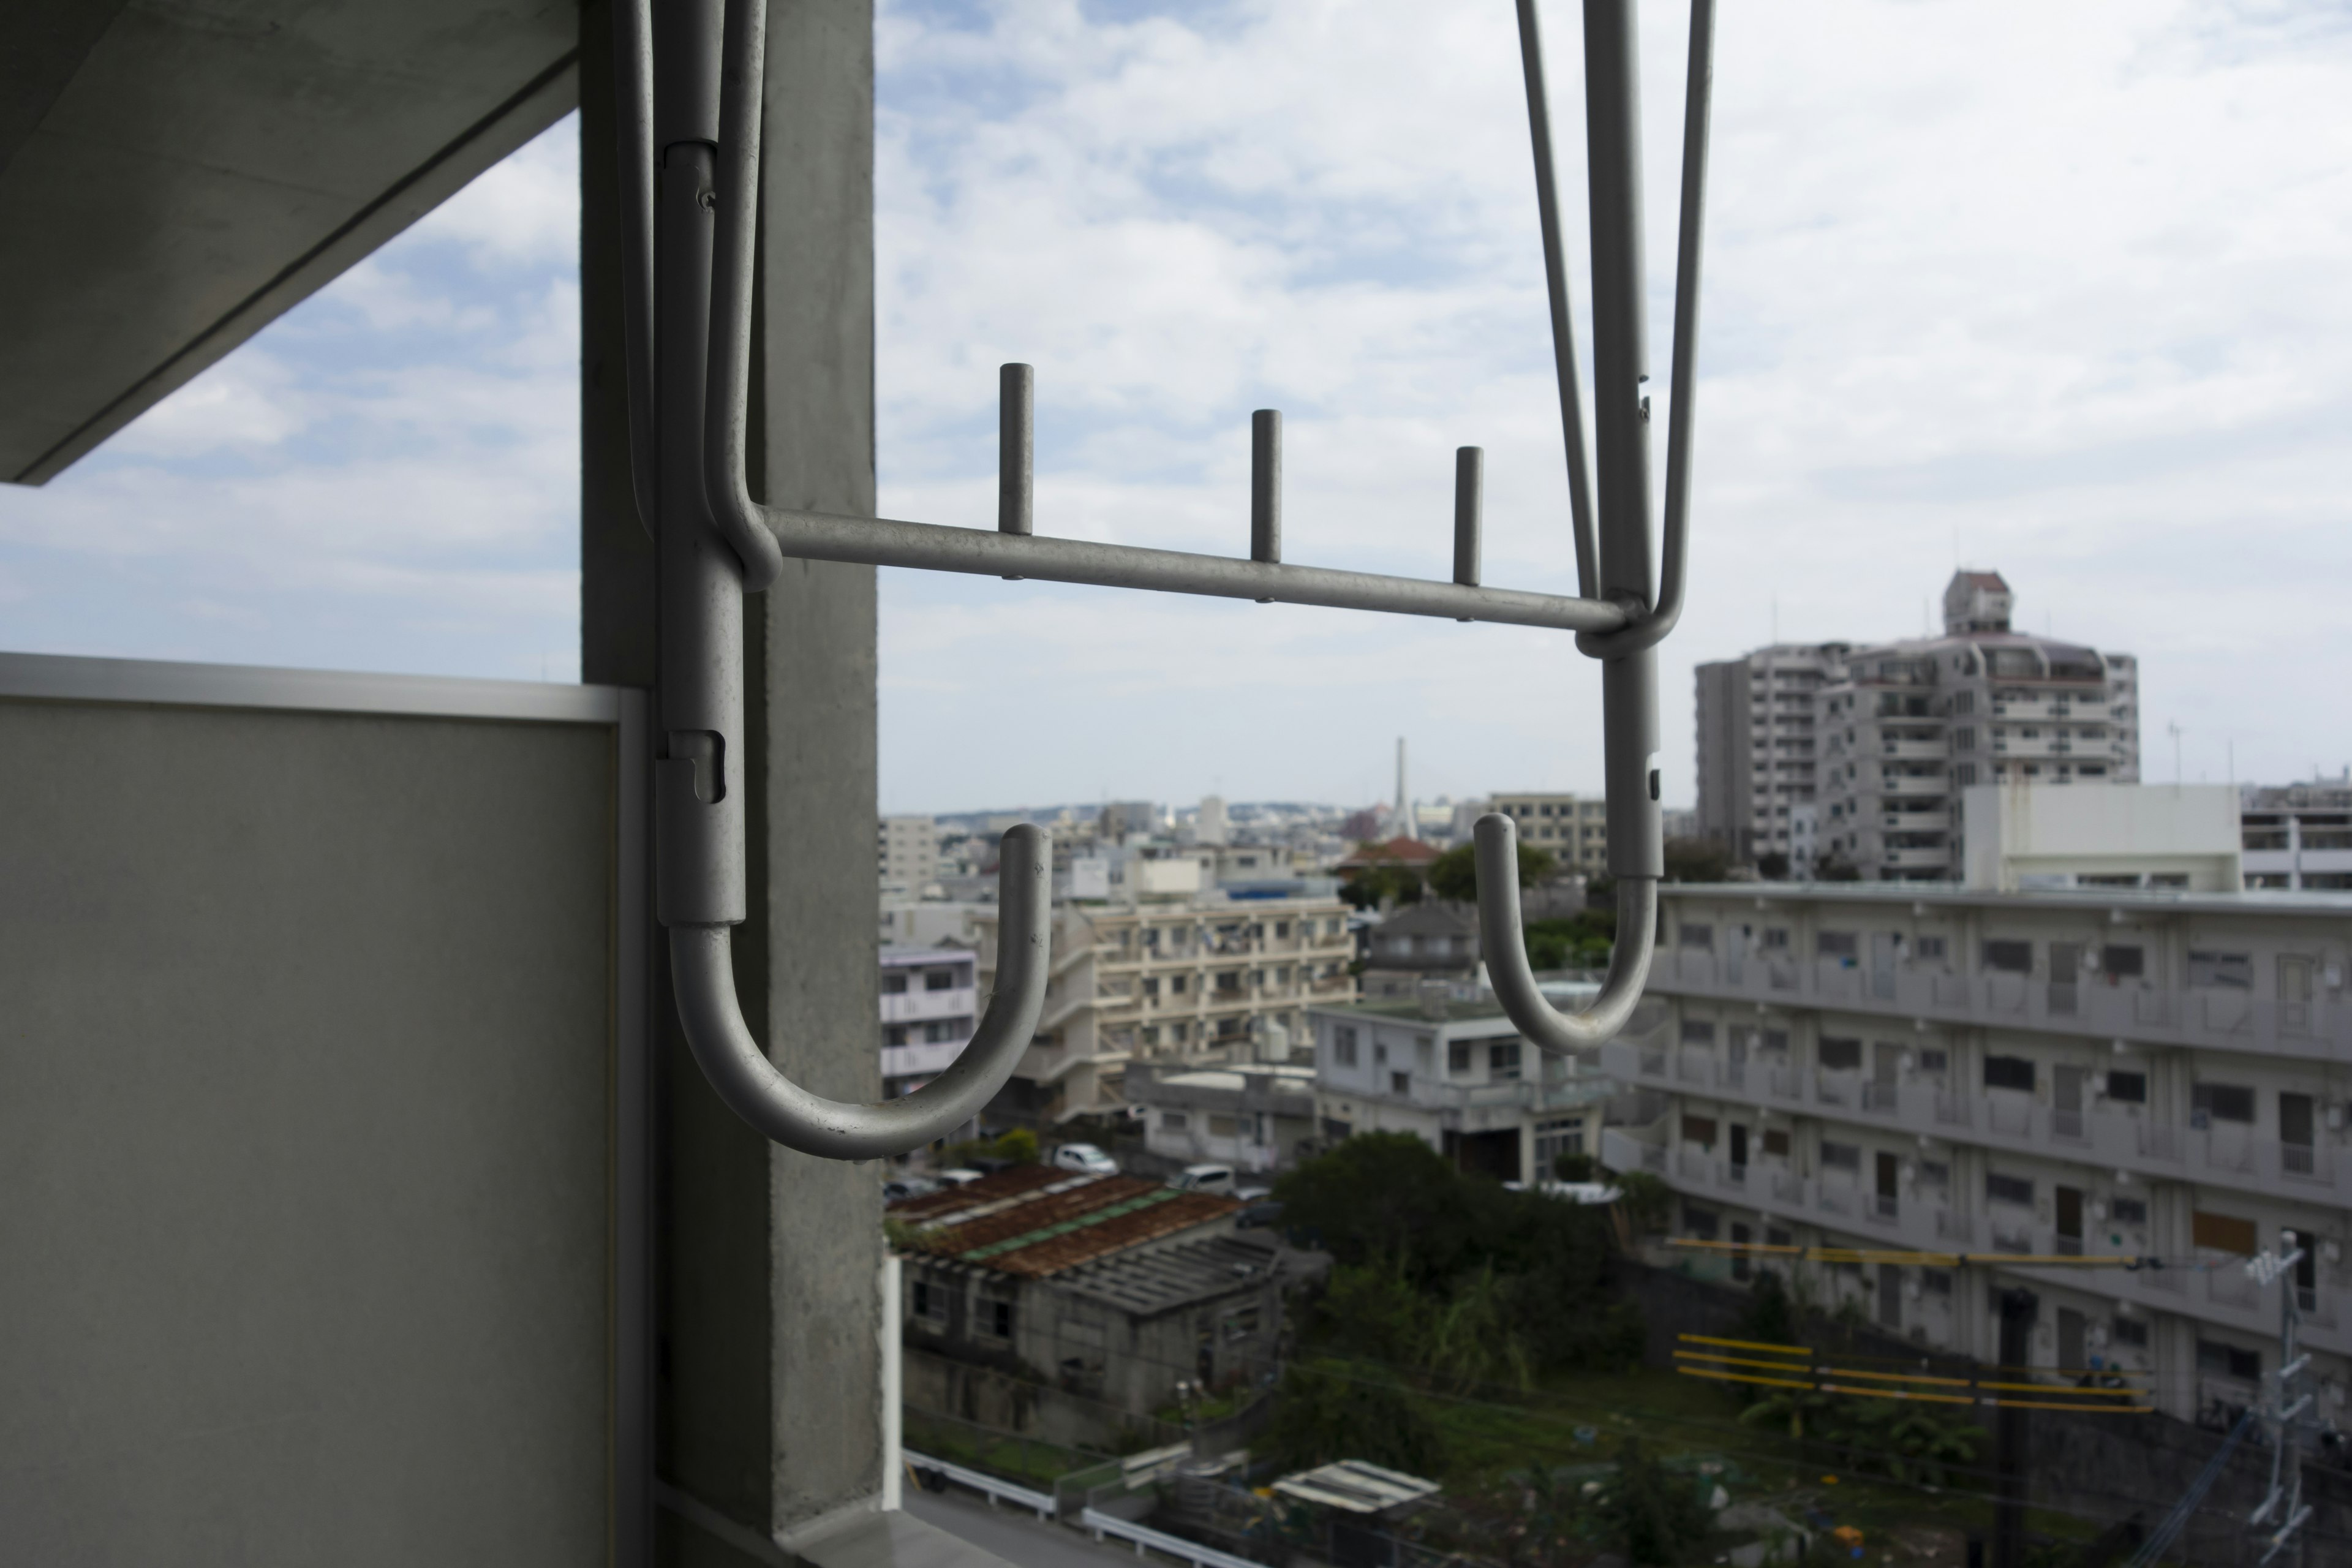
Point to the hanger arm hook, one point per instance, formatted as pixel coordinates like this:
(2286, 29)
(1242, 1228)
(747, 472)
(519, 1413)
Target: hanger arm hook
(1506, 949)
(702, 970)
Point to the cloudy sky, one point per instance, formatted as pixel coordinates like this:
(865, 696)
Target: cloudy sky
(2058, 289)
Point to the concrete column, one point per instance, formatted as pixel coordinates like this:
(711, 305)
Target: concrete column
(769, 1415)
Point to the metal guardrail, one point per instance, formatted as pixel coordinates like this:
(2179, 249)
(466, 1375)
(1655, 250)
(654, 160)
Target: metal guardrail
(1040, 1503)
(1101, 1524)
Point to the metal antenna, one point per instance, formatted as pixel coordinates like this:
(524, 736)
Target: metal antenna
(691, 108)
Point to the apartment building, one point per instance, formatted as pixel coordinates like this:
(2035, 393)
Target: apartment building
(2298, 837)
(929, 1001)
(1451, 1069)
(1251, 1116)
(1756, 773)
(1189, 977)
(906, 853)
(1898, 730)
(1574, 829)
(2096, 1071)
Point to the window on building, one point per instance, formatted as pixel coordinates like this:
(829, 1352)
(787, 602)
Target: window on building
(1698, 1031)
(1697, 934)
(930, 1302)
(2221, 1102)
(2000, 1189)
(1933, 1059)
(2127, 1088)
(1776, 1141)
(894, 1035)
(1935, 1281)
(1698, 1129)
(1401, 1083)
(894, 984)
(2128, 1334)
(2119, 962)
(1700, 1223)
(996, 1317)
(1931, 947)
(2220, 971)
(1281, 930)
(1839, 1055)
(1836, 944)
(1774, 1237)
(2229, 1360)
(939, 979)
(1343, 1045)
(1776, 938)
(939, 1031)
(1503, 1060)
(1241, 1325)
(2224, 1233)
(1230, 1126)
(1840, 1156)
(1176, 984)
(1774, 1040)
(2010, 957)
(2008, 1072)
(1457, 1057)
(1380, 1053)
(2127, 1211)
(1174, 1121)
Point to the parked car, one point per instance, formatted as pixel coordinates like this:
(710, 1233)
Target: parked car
(1204, 1179)
(1086, 1158)
(1252, 1194)
(908, 1186)
(958, 1177)
(1264, 1211)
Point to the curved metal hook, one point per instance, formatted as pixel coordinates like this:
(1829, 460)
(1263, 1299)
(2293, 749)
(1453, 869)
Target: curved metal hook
(702, 970)
(1505, 949)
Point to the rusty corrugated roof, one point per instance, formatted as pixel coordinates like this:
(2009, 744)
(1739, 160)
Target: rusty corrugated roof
(1032, 1220)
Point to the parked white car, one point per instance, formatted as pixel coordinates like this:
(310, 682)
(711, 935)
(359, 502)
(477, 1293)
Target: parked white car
(958, 1177)
(1086, 1158)
(1205, 1179)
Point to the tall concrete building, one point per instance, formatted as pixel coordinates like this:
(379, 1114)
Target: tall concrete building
(906, 853)
(1881, 740)
(1179, 977)
(1756, 773)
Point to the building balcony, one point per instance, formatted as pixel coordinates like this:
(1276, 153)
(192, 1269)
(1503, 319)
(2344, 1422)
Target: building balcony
(918, 1006)
(2013, 1123)
(2212, 1287)
(2319, 1030)
(1913, 751)
(1914, 787)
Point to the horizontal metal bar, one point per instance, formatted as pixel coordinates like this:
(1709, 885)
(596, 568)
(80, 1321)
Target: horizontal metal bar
(932, 547)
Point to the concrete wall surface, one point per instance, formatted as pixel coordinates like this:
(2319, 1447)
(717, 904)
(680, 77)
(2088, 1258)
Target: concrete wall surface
(309, 1024)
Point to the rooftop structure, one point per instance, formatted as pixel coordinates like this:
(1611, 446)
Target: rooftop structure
(1449, 1068)
(2023, 835)
(1252, 1116)
(2298, 837)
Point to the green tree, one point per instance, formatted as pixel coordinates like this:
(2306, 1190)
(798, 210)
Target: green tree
(1340, 1410)
(1382, 1196)
(1696, 860)
(1770, 1317)
(1578, 942)
(1019, 1146)
(1455, 874)
(1653, 1515)
(1647, 1200)
(1569, 1165)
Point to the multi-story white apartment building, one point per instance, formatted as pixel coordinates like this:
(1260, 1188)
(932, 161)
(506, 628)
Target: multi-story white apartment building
(1573, 828)
(1898, 730)
(929, 1000)
(1189, 977)
(906, 853)
(2100, 1071)
(1756, 748)
(2298, 837)
(1449, 1068)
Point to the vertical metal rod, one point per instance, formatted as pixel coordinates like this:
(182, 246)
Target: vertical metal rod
(1629, 682)
(1469, 501)
(633, 76)
(1016, 416)
(1265, 485)
(1563, 329)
